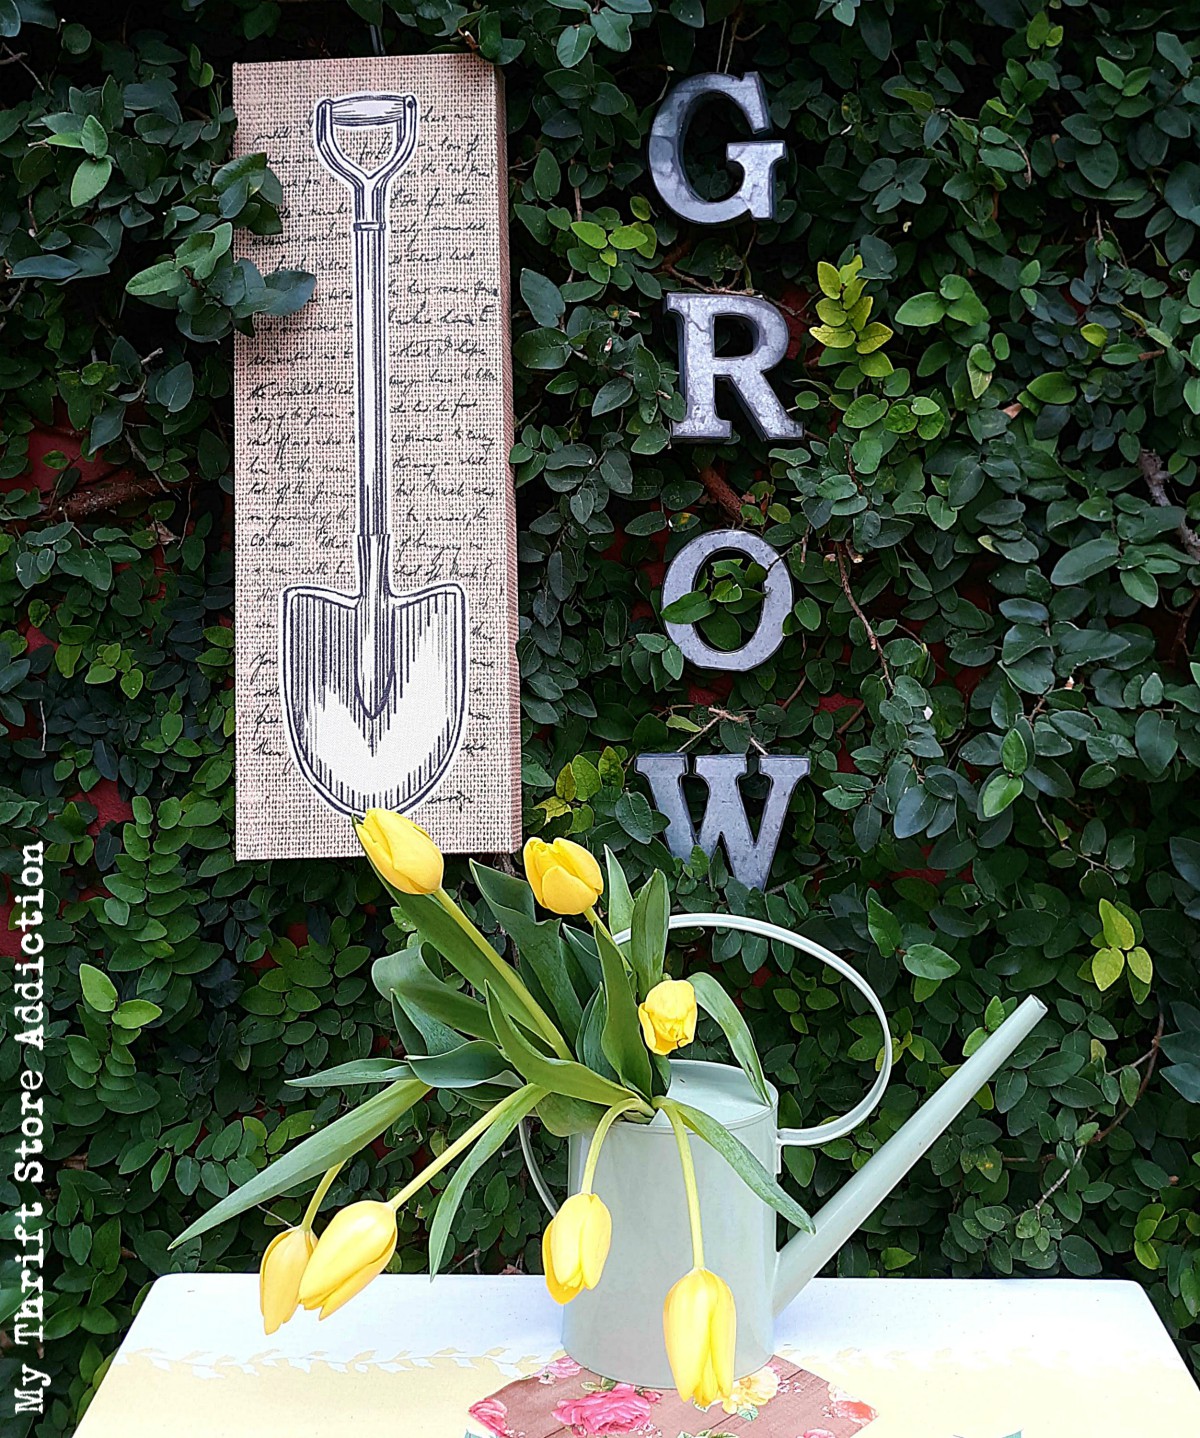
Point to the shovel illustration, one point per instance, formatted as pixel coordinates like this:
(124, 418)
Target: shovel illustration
(374, 683)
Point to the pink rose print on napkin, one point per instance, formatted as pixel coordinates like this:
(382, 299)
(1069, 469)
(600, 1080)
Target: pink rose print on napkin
(622, 1409)
(492, 1414)
(843, 1406)
(563, 1400)
(563, 1367)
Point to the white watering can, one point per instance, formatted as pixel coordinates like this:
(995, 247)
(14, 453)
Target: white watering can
(615, 1329)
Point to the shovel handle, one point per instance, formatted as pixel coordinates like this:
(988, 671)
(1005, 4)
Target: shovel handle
(397, 113)
(357, 112)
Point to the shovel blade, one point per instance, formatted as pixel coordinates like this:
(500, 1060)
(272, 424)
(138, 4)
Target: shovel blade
(374, 694)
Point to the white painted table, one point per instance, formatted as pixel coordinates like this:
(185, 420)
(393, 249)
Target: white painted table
(935, 1358)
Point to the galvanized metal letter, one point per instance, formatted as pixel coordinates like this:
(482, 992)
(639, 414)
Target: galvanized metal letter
(777, 599)
(755, 158)
(725, 820)
(700, 366)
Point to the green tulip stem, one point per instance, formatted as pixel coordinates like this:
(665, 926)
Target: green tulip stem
(689, 1178)
(593, 1155)
(447, 1156)
(508, 975)
(318, 1198)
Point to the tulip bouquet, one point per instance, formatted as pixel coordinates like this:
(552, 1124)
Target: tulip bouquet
(576, 1033)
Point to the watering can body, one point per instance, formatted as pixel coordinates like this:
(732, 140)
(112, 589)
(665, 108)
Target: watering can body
(615, 1329)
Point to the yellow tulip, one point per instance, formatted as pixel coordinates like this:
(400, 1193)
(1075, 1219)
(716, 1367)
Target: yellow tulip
(700, 1326)
(354, 1249)
(402, 852)
(280, 1272)
(668, 1016)
(575, 1245)
(564, 877)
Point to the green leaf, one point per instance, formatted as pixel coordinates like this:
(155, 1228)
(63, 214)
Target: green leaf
(715, 1002)
(542, 349)
(593, 235)
(620, 900)
(883, 925)
(339, 1141)
(90, 178)
(744, 1164)
(866, 410)
(1118, 931)
(829, 279)
(927, 961)
(561, 1076)
(136, 1013)
(1085, 560)
(1052, 388)
(354, 1073)
(921, 310)
(621, 1038)
(572, 45)
(472, 956)
(98, 989)
(1107, 967)
(1155, 740)
(405, 976)
(543, 297)
(647, 945)
(465, 1067)
(611, 395)
(998, 793)
(612, 29)
(505, 1117)
(539, 942)
(1014, 753)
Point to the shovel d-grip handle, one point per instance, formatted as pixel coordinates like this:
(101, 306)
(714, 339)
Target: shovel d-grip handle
(399, 115)
(786, 1137)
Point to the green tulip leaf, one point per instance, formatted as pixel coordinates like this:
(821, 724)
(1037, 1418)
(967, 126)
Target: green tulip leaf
(461, 944)
(538, 942)
(337, 1142)
(506, 1116)
(648, 937)
(429, 1001)
(621, 1038)
(561, 1076)
(715, 1002)
(467, 1066)
(358, 1071)
(744, 1164)
(620, 900)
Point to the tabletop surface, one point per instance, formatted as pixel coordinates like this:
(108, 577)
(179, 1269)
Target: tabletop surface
(925, 1358)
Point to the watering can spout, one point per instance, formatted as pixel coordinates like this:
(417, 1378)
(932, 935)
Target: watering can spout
(807, 1253)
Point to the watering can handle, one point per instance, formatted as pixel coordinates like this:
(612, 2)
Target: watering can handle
(788, 1137)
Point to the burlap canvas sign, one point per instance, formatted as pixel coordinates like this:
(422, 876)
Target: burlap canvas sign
(375, 534)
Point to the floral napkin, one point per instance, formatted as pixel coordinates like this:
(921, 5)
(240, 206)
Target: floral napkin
(567, 1401)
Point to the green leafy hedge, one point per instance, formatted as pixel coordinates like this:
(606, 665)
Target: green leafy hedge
(993, 529)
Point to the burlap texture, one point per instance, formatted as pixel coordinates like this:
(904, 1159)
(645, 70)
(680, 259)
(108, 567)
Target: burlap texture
(450, 412)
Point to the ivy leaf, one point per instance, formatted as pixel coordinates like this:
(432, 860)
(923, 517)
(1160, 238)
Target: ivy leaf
(927, 961)
(543, 297)
(1092, 557)
(90, 178)
(98, 989)
(572, 45)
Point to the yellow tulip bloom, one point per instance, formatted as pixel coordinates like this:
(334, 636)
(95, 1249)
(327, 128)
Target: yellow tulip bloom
(564, 877)
(668, 1016)
(354, 1249)
(402, 852)
(700, 1327)
(575, 1245)
(280, 1272)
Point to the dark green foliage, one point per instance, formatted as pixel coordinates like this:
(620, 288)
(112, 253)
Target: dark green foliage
(994, 533)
